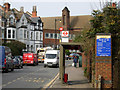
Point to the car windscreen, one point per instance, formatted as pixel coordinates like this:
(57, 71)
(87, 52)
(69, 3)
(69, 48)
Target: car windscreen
(40, 51)
(50, 56)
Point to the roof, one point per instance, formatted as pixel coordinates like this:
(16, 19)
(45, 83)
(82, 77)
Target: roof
(66, 9)
(75, 22)
(35, 19)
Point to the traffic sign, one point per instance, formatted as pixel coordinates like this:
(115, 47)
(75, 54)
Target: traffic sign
(61, 28)
(65, 33)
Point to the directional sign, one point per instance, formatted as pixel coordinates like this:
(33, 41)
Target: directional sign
(65, 33)
(61, 28)
(103, 45)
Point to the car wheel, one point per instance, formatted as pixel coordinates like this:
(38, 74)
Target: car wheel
(22, 66)
(44, 66)
(19, 67)
(34, 63)
(12, 69)
(6, 70)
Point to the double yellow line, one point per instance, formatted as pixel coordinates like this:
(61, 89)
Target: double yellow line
(51, 82)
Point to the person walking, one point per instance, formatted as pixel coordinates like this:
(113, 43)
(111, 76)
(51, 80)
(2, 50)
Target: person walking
(75, 60)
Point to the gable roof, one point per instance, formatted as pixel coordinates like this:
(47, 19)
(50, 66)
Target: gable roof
(76, 22)
(35, 19)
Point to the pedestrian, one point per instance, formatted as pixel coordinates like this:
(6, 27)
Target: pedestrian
(75, 60)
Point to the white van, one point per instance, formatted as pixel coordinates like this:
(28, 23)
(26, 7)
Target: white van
(51, 58)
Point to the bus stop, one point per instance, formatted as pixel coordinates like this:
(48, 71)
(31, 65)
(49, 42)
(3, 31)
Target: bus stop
(63, 46)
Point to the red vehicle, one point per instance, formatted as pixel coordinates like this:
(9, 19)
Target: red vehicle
(30, 58)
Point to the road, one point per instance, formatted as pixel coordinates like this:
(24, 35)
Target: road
(30, 76)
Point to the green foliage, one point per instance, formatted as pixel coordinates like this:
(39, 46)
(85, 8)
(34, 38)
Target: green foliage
(105, 21)
(67, 52)
(16, 47)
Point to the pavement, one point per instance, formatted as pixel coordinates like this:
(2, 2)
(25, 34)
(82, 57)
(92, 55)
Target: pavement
(76, 79)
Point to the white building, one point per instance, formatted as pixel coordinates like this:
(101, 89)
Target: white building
(24, 27)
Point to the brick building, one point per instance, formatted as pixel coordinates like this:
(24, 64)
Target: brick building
(73, 24)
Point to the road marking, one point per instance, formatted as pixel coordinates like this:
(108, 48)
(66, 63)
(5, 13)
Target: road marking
(9, 82)
(13, 80)
(18, 78)
(29, 80)
(4, 85)
(34, 80)
(50, 83)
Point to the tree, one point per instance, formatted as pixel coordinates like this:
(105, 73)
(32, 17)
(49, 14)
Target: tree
(105, 21)
(16, 47)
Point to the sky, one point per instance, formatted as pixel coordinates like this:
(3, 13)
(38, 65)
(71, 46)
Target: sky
(53, 8)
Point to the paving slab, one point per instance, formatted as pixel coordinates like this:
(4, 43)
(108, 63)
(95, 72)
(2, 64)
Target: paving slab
(76, 79)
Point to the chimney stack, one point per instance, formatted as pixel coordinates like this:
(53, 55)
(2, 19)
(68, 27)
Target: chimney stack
(21, 9)
(7, 7)
(34, 12)
(113, 5)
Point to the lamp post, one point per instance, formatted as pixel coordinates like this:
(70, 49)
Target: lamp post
(55, 33)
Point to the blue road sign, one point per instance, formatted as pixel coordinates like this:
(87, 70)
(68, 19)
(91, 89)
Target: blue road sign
(103, 46)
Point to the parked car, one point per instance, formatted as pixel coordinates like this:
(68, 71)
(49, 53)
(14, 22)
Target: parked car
(30, 58)
(6, 61)
(17, 62)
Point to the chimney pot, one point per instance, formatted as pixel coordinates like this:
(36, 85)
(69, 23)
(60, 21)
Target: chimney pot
(114, 5)
(7, 7)
(21, 9)
(34, 12)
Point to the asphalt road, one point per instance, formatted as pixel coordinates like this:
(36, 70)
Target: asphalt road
(30, 76)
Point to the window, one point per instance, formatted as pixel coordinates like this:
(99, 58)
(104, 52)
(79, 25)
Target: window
(37, 46)
(25, 33)
(31, 47)
(31, 35)
(36, 35)
(55, 35)
(21, 34)
(51, 35)
(41, 28)
(28, 34)
(58, 36)
(46, 35)
(2, 24)
(9, 33)
(22, 21)
(11, 21)
(41, 24)
(51, 56)
(36, 27)
(40, 36)
(13, 34)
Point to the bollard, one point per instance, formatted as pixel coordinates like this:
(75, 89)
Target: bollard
(99, 82)
(65, 77)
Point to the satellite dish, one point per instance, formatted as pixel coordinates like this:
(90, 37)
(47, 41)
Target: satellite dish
(119, 5)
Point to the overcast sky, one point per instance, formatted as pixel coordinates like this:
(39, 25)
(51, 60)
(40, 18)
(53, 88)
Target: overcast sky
(52, 8)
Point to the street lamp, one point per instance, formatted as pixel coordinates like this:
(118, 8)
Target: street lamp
(55, 32)
(5, 22)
